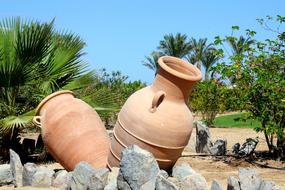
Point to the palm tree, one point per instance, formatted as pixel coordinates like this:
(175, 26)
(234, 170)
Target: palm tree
(198, 50)
(151, 61)
(177, 46)
(35, 60)
(240, 45)
(208, 60)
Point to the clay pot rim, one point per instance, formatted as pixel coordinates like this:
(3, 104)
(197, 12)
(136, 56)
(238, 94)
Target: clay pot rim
(197, 73)
(46, 99)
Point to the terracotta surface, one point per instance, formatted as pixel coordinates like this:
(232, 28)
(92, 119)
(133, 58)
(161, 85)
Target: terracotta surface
(72, 131)
(156, 117)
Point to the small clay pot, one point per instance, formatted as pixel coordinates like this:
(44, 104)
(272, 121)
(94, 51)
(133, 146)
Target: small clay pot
(157, 117)
(72, 131)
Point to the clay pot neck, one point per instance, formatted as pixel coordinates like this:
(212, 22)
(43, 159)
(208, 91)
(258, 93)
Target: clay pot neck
(50, 98)
(176, 77)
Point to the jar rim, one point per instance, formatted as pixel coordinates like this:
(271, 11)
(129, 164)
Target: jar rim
(46, 99)
(165, 61)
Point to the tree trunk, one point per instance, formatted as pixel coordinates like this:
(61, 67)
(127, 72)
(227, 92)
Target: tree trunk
(281, 148)
(269, 145)
(199, 65)
(206, 76)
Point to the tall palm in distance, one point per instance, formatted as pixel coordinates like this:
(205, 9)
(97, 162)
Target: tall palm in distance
(177, 46)
(197, 52)
(151, 61)
(209, 58)
(171, 45)
(199, 47)
(240, 45)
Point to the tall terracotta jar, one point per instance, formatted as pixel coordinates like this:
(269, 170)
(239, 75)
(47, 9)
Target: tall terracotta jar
(157, 117)
(72, 131)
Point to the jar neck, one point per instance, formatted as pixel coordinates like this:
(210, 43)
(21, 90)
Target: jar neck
(173, 86)
(54, 99)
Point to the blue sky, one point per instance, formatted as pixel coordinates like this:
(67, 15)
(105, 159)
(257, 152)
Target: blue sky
(120, 33)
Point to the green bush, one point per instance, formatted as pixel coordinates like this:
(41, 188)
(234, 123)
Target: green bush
(206, 98)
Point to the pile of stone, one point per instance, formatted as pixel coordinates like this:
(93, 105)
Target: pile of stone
(246, 149)
(204, 143)
(138, 171)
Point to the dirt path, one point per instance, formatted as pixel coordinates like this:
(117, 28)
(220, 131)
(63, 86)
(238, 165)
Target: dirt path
(219, 170)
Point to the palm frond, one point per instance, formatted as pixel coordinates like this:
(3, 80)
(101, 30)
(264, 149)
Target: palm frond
(10, 123)
(104, 101)
(22, 45)
(151, 61)
(208, 60)
(86, 80)
(199, 48)
(240, 45)
(64, 63)
(177, 46)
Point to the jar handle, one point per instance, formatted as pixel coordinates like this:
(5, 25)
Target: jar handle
(157, 100)
(37, 121)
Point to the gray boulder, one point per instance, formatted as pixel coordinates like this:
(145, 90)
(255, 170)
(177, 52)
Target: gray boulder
(163, 184)
(112, 179)
(5, 175)
(138, 168)
(112, 185)
(113, 174)
(85, 176)
(43, 177)
(175, 181)
(62, 179)
(28, 172)
(194, 182)
(188, 178)
(164, 174)
(16, 168)
(68, 181)
(235, 148)
(203, 142)
(248, 147)
(219, 148)
(233, 183)
(121, 183)
(249, 180)
(216, 185)
(267, 185)
(182, 170)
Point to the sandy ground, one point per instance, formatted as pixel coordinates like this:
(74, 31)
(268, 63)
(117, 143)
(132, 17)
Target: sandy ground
(218, 169)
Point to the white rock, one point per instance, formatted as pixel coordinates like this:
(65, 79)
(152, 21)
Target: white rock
(138, 168)
(182, 170)
(216, 185)
(163, 184)
(16, 168)
(28, 173)
(249, 180)
(233, 184)
(60, 180)
(43, 177)
(85, 176)
(5, 174)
